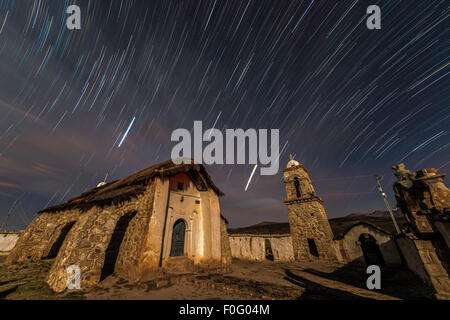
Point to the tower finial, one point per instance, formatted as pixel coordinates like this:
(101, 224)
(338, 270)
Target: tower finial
(292, 162)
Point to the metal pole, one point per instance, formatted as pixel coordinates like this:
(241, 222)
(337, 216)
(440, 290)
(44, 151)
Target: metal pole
(384, 195)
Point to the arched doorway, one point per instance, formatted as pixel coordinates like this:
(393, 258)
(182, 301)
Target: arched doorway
(178, 239)
(269, 252)
(112, 252)
(313, 248)
(371, 250)
(53, 252)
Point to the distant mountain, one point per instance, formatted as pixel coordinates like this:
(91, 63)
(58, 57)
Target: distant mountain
(376, 214)
(378, 218)
(263, 228)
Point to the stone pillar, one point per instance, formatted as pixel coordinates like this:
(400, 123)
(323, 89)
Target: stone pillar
(421, 258)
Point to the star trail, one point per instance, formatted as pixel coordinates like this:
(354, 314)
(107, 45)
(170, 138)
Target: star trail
(79, 105)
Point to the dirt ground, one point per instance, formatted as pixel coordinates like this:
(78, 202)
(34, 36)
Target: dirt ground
(245, 281)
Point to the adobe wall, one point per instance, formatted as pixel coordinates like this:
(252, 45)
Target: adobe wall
(151, 251)
(352, 247)
(210, 225)
(41, 234)
(252, 247)
(225, 243)
(200, 212)
(8, 240)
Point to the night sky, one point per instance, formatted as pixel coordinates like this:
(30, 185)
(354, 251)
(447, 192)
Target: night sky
(349, 102)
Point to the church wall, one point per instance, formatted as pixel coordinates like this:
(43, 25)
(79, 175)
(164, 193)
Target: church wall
(215, 219)
(353, 251)
(205, 222)
(151, 251)
(252, 247)
(200, 211)
(225, 243)
(38, 238)
(183, 206)
(88, 241)
(130, 261)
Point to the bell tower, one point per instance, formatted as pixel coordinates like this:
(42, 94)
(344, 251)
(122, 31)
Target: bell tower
(312, 237)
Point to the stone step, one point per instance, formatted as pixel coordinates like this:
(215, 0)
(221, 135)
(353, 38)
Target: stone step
(178, 265)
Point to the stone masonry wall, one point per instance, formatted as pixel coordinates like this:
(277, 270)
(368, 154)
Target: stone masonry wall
(129, 260)
(422, 259)
(88, 241)
(306, 220)
(41, 234)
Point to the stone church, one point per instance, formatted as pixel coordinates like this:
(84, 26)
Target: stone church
(162, 218)
(167, 218)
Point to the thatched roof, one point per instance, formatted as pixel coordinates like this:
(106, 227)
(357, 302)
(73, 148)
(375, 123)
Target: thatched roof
(134, 185)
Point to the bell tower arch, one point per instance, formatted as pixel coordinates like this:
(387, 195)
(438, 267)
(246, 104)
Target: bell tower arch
(312, 237)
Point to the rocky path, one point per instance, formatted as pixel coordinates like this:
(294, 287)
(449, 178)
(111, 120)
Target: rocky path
(245, 281)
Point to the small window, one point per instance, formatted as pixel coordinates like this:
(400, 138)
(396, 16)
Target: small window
(180, 186)
(197, 201)
(313, 248)
(297, 188)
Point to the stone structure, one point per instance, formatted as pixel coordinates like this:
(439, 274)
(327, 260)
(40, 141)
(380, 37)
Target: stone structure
(365, 240)
(425, 201)
(423, 245)
(312, 237)
(368, 244)
(167, 218)
(161, 218)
